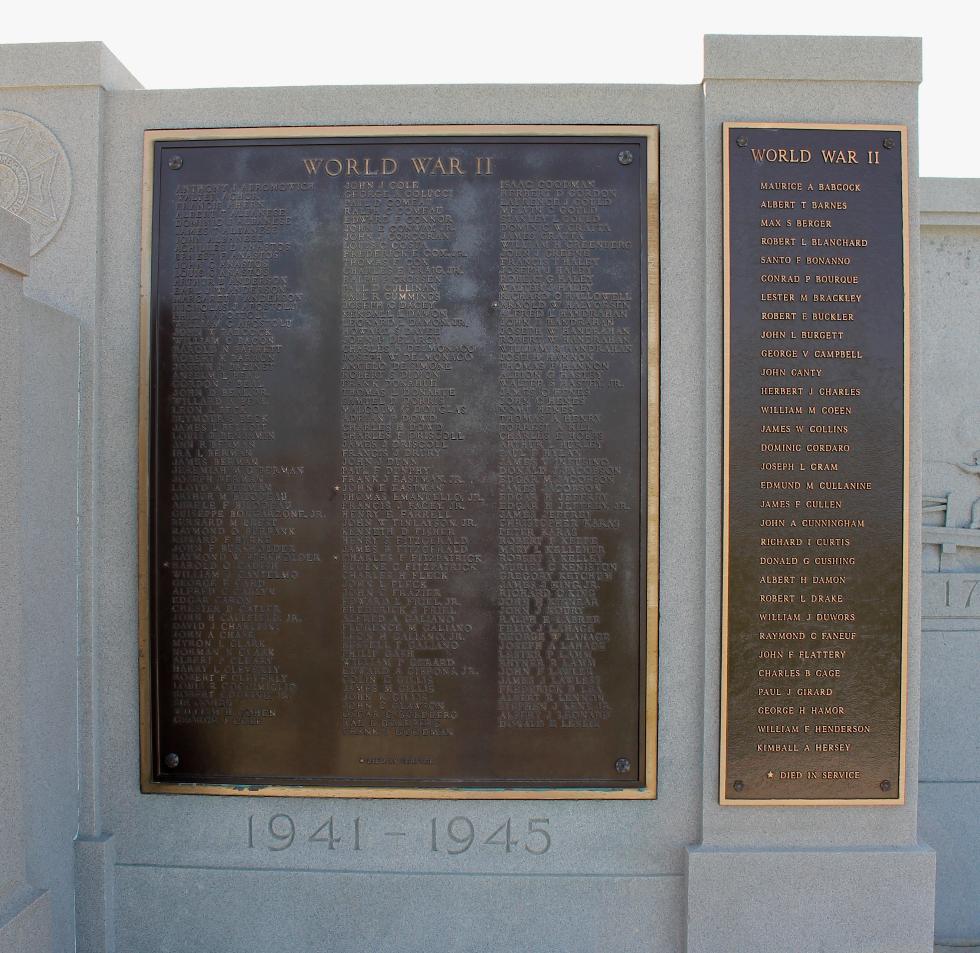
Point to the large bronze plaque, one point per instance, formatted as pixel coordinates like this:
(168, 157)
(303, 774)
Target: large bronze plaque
(397, 462)
(816, 465)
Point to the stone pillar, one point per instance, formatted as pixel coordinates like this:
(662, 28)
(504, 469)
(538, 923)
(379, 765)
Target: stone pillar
(25, 910)
(38, 441)
(949, 768)
(52, 104)
(783, 878)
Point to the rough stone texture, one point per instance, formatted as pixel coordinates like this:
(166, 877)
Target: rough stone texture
(38, 770)
(94, 895)
(848, 901)
(959, 199)
(951, 708)
(13, 839)
(173, 911)
(29, 929)
(63, 64)
(948, 822)
(892, 59)
(50, 364)
(66, 276)
(64, 86)
(15, 243)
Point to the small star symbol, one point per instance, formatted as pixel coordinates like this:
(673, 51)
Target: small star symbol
(770, 775)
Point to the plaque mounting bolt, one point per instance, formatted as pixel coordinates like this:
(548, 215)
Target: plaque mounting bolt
(738, 785)
(336, 488)
(888, 142)
(623, 765)
(741, 142)
(175, 162)
(625, 157)
(885, 785)
(171, 761)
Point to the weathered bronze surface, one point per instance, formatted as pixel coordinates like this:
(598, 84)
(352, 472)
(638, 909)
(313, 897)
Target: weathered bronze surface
(397, 462)
(816, 446)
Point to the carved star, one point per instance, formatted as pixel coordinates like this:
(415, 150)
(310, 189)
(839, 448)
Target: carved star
(770, 775)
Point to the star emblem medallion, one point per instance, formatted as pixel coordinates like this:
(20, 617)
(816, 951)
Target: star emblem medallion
(35, 178)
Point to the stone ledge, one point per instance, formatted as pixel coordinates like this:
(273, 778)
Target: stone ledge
(949, 202)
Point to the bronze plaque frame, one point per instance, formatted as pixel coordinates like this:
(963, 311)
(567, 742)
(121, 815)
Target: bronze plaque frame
(647, 790)
(726, 797)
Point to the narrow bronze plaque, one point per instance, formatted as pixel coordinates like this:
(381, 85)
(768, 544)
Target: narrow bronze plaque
(396, 533)
(816, 465)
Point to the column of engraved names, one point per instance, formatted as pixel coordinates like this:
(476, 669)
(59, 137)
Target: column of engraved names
(811, 500)
(228, 555)
(403, 509)
(555, 480)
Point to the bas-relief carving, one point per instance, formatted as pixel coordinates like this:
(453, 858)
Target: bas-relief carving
(951, 541)
(35, 177)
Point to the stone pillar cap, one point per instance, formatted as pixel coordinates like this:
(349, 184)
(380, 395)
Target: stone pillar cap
(845, 59)
(63, 64)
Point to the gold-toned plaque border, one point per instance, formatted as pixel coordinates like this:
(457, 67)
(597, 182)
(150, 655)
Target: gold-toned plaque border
(651, 134)
(723, 735)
